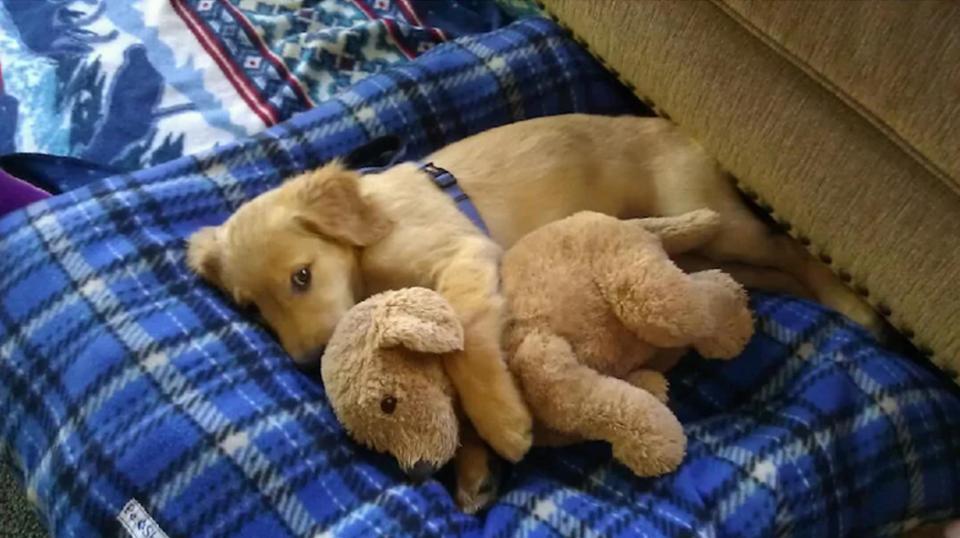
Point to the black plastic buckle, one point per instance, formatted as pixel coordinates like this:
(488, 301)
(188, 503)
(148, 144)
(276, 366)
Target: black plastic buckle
(441, 177)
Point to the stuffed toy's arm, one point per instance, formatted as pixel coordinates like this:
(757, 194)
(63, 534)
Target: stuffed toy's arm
(668, 308)
(683, 233)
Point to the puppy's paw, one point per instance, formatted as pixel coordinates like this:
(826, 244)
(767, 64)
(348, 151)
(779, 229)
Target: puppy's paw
(860, 312)
(833, 293)
(478, 474)
(473, 500)
(508, 428)
(477, 487)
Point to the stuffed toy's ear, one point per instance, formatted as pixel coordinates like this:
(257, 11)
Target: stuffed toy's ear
(203, 254)
(331, 205)
(420, 320)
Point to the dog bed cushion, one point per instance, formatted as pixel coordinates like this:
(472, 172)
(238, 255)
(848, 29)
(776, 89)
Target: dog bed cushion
(123, 378)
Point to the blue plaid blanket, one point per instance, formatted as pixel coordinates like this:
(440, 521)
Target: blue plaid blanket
(123, 377)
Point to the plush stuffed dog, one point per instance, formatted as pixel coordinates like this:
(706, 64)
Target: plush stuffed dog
(595, 307)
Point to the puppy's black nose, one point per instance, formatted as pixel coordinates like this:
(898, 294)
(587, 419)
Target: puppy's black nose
(314, 355)
(309, 363)
(421, 471)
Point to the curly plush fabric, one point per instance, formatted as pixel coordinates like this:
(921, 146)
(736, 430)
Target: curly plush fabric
(123, 377)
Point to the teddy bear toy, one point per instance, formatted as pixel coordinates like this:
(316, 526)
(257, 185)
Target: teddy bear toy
(595, 307)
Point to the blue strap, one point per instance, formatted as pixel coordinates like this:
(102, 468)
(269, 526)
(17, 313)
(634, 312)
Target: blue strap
(447, 182)
(383, 152)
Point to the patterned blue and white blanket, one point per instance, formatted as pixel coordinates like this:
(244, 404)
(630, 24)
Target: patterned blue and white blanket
(134, 83)
(123, 377)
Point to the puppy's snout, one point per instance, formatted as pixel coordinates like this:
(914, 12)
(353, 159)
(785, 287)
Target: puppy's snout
(421, 471)
(309, 360)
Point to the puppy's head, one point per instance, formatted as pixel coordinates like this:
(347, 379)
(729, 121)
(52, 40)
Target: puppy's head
(290, 253)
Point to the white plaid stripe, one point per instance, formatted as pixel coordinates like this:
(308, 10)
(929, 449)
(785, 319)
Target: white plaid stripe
(802, 446)
(890, 406)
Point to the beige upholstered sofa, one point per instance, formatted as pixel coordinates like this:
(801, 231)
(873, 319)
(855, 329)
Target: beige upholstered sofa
(840, 117)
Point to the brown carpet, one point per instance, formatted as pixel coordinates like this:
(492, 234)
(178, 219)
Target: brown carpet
(17, 516)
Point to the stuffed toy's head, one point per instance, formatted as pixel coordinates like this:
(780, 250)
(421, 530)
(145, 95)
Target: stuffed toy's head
(384, 377)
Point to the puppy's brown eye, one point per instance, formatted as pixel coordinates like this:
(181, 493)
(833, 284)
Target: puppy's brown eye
(301, 279)
(388, 405)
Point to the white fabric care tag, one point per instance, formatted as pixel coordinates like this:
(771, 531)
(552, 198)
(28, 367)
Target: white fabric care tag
(138, 522)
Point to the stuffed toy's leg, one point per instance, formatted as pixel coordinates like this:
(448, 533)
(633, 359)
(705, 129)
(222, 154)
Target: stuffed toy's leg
(731, 319)
(571, 398)
(668, 308)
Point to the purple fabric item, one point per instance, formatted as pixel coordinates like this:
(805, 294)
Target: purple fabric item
(16, 193)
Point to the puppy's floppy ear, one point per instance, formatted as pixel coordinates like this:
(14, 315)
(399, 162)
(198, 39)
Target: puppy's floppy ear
(418, 319)
(332, 206)
(204, 254)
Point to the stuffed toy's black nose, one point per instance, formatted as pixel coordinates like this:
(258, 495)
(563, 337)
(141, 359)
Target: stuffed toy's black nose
(421, 471)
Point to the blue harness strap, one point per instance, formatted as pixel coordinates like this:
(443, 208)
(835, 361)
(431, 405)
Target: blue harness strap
(383, 152)
(447, 182)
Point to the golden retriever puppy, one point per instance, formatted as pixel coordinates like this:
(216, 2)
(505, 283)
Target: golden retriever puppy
(308, 250)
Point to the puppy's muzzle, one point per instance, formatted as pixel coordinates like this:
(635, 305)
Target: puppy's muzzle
(309, 362)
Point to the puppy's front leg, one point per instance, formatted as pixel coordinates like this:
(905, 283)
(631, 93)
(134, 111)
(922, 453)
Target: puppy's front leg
(478, 472)
(488, 392)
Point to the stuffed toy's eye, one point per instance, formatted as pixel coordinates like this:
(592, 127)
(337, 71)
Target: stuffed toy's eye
(388, 405)
(301, 279)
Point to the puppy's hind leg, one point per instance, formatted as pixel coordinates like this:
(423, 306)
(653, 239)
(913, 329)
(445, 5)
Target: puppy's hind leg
(691, 180)
(747, 240)
(749, 276)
